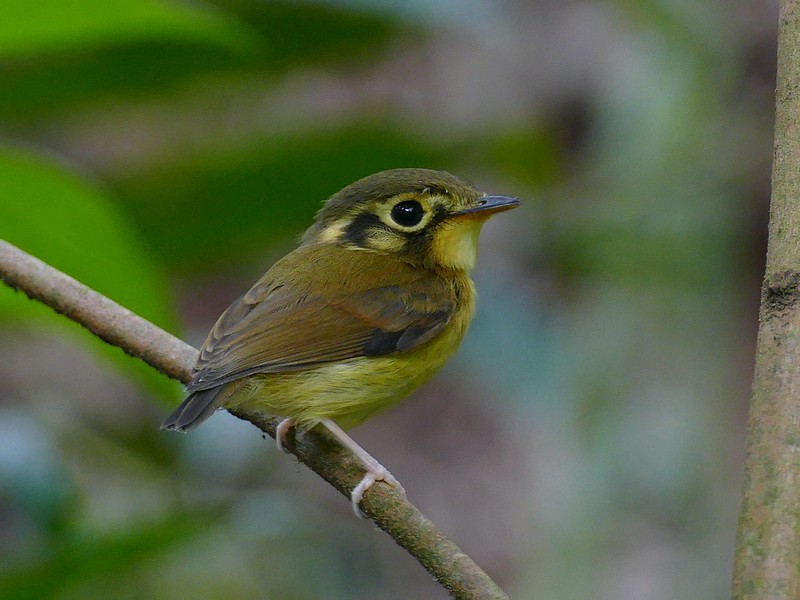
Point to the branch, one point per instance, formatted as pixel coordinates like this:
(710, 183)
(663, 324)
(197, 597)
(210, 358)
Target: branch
(317, 449)
(768, 540)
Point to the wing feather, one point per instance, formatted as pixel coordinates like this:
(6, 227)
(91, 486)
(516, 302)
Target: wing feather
(295, 318)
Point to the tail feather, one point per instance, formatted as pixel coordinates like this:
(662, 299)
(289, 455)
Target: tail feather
(193, 411)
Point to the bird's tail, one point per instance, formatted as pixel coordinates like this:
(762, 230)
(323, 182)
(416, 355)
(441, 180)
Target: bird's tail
(194, 410)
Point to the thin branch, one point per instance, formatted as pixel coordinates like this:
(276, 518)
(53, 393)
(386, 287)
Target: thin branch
(768, 541)
(317, 449)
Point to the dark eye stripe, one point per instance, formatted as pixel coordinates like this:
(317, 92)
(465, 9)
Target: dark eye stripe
(356, 231)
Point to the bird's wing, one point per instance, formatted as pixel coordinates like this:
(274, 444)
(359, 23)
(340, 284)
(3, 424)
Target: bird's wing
(301, 314)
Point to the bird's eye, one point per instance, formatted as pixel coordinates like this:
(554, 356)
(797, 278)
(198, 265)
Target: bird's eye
(407, 213)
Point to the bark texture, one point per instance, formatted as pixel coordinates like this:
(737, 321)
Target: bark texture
(767, 562)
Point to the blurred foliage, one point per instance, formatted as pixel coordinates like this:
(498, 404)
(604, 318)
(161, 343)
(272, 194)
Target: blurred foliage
(116, 55)
(52, 26)
(69, 222)
(163, 152)
(269, 204)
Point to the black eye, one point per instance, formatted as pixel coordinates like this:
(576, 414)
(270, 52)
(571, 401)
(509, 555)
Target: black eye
(407, 213)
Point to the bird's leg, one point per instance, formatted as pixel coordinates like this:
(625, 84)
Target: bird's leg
(280, 432)
(375, 470)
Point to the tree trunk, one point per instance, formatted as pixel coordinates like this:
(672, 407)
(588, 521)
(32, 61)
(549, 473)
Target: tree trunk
(767, 563)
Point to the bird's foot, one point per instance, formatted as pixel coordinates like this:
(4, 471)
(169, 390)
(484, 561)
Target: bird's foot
(375, 470)
(280, 433)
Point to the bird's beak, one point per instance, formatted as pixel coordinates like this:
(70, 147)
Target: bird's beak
(488, 205)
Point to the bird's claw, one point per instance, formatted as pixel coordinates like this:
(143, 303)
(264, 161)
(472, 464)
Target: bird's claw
(373, 475)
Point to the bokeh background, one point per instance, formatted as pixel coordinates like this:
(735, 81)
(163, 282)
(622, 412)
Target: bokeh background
(587, 440)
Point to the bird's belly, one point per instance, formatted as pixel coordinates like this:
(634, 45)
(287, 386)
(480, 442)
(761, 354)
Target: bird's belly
(351, 391)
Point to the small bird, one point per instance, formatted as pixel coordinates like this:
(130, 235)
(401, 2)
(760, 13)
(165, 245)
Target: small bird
(371, 304)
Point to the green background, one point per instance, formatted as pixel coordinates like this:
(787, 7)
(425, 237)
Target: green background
(586, 442)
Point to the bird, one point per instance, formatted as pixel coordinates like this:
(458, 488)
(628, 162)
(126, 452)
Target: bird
(374, 300)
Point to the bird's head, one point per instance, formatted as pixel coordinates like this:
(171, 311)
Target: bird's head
(428, 218)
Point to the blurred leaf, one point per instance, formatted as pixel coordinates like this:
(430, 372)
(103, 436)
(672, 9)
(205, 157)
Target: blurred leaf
(52, 85)
(71, 224)
(204, 211)
(40, 26)
(299, 32)
(272, 38)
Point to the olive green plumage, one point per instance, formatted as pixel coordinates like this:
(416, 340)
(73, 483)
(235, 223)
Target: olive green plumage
(372, 303)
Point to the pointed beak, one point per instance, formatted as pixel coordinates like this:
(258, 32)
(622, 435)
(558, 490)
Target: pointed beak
(486, 206)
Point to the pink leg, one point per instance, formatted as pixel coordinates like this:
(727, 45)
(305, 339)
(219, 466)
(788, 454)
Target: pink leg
(375, 471)
(280, 432)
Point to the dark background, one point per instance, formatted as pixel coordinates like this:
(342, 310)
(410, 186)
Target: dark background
(586, 442)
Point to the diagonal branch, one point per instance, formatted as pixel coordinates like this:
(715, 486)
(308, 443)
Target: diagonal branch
(316, 449)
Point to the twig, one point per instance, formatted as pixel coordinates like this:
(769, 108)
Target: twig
(768, 541)
(317, 449)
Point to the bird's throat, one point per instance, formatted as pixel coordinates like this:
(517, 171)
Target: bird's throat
(456, 247)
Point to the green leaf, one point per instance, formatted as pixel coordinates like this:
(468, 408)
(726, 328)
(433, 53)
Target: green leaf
(58, 85)
(68, 222)
(100, 69)
(38, 26)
